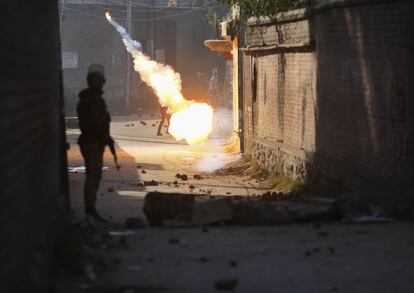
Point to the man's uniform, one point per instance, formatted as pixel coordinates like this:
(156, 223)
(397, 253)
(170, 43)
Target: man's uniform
(94, 122)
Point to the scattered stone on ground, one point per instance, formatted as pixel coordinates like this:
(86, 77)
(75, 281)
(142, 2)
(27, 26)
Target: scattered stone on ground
(183, 177)
(197, 177)
(148, 183)
(143, 172)
(110, 189)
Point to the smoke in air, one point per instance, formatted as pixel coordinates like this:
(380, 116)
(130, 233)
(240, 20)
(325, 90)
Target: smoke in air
(190, 120)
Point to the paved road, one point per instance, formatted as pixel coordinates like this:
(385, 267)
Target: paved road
(158, 158)
(295, 258)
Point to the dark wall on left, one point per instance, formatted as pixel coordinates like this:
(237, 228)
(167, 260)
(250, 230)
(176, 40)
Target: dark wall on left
(33, 183)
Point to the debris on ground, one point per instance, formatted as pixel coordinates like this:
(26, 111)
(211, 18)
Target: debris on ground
(110, 189)
(183, 177)
(226, 284)
(197, 177)
(191, 187)
(143, 123)
(144, 172)
(139, 166)
(121, 233)
(148, 183)
(175, 209)
(353, 210)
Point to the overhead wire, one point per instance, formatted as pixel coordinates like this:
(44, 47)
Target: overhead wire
(147, 8)
(147, 19)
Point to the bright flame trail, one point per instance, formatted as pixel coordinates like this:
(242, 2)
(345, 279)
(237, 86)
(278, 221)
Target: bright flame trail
(190, 120)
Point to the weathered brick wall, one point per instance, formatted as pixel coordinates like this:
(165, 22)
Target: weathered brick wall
(32, 151)
(279, 122)
(334, 98)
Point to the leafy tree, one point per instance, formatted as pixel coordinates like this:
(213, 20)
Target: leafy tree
(213, 12)
(257, 8)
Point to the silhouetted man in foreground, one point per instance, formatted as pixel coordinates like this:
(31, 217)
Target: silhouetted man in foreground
(94, 122)
(165, 117)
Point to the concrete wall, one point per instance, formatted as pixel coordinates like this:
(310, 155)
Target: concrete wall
(33, 185)
(332, 100)
(86, 32)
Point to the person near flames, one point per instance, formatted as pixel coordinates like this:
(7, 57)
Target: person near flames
(94, 122)
(165, 117)
(213, 87)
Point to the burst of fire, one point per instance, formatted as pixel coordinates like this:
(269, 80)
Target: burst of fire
(190, 120)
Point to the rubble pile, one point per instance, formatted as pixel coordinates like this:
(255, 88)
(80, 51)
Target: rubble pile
(175, 209)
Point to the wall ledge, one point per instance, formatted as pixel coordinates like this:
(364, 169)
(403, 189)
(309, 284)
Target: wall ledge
(305, 13)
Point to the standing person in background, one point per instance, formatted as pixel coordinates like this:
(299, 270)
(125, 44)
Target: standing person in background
(213, 88)
(94, 122)
(165, 116)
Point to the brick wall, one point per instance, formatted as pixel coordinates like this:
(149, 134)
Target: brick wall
(334, 100)
(33, 183)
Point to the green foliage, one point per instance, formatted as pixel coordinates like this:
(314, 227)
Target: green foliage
(214, 13)
(284, 183)
(257, 8)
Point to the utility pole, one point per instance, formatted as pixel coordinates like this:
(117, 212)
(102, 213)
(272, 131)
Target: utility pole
(62, 14)
(153, 29)
(128, 77)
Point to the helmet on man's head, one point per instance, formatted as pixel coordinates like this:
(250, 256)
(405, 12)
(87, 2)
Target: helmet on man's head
(96, 76)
